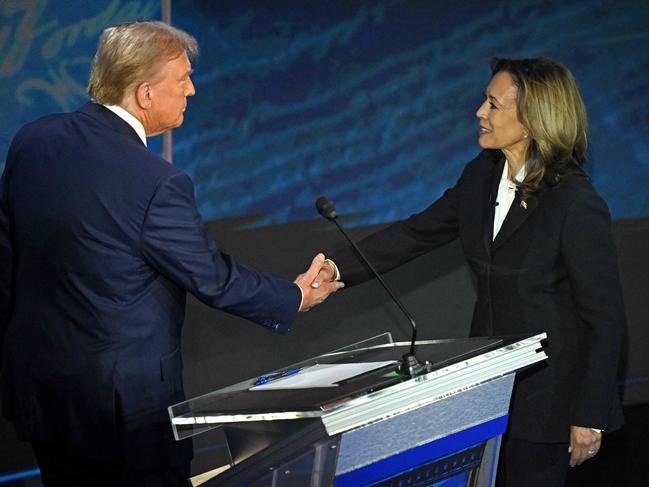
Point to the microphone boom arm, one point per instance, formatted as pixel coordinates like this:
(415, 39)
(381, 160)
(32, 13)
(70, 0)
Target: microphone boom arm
(410, 365)
(385, 286)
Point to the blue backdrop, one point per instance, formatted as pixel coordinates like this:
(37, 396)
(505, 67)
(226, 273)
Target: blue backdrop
(370, 103)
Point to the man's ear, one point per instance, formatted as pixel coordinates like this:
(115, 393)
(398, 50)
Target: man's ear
(143, 95)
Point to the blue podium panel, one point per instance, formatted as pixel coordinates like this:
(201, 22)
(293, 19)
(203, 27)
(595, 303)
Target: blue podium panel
(447, 461)
(434, 430)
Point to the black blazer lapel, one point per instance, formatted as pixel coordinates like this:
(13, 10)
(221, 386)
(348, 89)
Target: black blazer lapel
(490, 209)
(517, 214)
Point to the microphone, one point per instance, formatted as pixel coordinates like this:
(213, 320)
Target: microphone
(409, 365)
(327, 209)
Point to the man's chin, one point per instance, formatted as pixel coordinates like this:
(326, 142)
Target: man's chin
(171, 126)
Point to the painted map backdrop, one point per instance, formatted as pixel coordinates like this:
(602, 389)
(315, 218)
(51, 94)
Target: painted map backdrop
(370, 103)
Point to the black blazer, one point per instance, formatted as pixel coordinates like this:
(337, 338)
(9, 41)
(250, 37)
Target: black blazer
(552, 268)
(100, 240)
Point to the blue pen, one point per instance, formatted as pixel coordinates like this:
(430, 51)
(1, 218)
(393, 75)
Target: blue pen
(265, 379)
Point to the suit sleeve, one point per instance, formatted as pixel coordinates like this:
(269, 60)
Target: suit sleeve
(174, 242)
(6, 255)
(589, 253)
(404, 240)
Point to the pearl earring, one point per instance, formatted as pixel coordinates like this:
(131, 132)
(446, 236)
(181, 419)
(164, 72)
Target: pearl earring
(525, 136)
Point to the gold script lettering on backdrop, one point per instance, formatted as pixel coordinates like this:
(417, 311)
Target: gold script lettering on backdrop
(26, 38)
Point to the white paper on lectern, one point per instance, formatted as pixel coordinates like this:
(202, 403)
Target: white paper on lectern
(322, 375)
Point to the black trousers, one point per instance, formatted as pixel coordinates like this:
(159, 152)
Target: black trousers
(61, 469)
(527, 464)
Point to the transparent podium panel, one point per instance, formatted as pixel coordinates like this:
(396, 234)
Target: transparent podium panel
(349, 417)
(238, 403)
(456, 364)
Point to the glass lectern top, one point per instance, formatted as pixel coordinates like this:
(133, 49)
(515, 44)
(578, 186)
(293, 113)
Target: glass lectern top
(244, 402)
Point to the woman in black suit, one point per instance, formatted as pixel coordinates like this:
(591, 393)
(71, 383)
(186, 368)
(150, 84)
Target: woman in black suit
(538, 239)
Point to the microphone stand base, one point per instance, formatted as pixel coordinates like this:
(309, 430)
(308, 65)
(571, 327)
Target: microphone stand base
(411, 367)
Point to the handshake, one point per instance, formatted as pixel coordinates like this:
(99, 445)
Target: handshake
(317, 283)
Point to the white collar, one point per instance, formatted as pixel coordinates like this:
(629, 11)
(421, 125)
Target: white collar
(519, 176)
(129, 119)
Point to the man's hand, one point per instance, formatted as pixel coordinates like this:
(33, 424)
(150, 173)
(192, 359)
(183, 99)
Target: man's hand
(314, 295)
(327, 274)
(584, 444)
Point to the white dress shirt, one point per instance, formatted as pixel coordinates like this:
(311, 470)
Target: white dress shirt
(506, 194)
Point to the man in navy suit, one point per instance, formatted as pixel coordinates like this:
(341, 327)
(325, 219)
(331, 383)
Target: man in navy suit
(100, 241)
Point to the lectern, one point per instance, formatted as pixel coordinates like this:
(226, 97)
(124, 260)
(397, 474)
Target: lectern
(377, 428)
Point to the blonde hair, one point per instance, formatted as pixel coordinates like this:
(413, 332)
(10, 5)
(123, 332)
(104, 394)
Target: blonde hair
(550, 107)
(129, 54)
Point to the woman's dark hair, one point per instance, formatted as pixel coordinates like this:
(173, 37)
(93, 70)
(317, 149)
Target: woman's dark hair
(550, 107)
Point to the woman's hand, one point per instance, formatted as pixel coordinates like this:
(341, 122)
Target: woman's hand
(584, 444)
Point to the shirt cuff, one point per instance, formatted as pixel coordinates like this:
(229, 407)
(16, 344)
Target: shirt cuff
(301, 296)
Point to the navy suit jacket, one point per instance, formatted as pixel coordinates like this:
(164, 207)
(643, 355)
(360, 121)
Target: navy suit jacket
(551, 268)
(100, 240)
